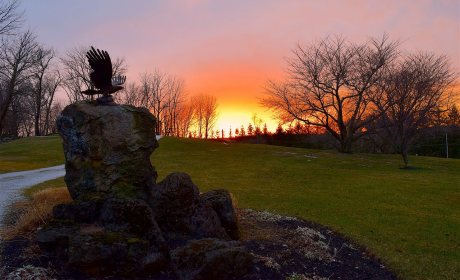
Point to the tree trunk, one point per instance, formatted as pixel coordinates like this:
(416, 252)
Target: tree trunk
(37, 117)
(9, 97)
(345, 146)
(406, 159)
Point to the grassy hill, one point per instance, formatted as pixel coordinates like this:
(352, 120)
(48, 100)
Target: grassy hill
(408, 218)
(31, 153)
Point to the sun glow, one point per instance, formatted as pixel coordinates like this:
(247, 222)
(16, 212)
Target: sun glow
(237, 88)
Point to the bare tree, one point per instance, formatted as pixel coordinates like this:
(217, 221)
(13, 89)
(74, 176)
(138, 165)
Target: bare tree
(210, 113)
(131, 95)
(51, 83)
(162, 93)
(185, 119)
(44, 86)
(198, 114)
(76, 72)
(414, 88)
(206, 113)
(11, 17)
(327, 86)
(154, 92)
(257, 121)
(18, 55)
(175, 97)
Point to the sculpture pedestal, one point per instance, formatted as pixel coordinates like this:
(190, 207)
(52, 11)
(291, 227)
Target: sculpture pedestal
(121, 222)
(106, 101)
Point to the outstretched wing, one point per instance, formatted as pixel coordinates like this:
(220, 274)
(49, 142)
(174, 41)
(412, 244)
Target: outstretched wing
(102, 68)
(118, 80)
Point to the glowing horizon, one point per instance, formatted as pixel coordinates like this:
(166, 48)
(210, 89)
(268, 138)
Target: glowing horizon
(230, 48)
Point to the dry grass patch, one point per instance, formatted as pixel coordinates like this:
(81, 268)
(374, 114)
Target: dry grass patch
(35, 213)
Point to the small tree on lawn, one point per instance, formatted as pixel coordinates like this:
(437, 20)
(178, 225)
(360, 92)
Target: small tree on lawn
(414, 89)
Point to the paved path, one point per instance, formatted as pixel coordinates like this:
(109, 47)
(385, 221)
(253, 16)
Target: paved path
(12, 183)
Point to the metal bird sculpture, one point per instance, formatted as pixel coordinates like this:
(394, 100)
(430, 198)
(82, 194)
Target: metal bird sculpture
(102, 77)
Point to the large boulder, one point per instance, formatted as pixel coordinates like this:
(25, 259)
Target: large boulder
(178, 207)
(107, 150)
(222, 203)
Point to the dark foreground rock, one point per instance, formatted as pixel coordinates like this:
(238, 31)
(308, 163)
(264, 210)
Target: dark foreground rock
(210, 259)
(120, 236)
(222, 203)
(179, 208)
(121, 222)
(275, 243)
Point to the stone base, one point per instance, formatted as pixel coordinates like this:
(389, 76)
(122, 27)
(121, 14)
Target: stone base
(131, 237)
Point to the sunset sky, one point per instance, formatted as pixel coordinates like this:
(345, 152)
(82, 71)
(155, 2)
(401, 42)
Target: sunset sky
(230, 48)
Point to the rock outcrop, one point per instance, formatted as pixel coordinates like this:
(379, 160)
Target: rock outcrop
(179, 208)
(221, 202)
(107, 150)
(120, 221)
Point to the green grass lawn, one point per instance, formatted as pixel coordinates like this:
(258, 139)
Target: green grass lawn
(31, 153)
(408, 218)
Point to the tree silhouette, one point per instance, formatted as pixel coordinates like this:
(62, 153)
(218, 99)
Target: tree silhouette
(265, 130)
(327, 85)
(206, 113)
(242, 131)
(19, 56)
(11, 18)
(411, 91)
(453, 116)
(250, 129)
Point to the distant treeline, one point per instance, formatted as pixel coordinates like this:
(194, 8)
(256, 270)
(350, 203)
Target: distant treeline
(440, 138)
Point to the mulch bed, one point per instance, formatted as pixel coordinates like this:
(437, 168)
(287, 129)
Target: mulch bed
(282, 248)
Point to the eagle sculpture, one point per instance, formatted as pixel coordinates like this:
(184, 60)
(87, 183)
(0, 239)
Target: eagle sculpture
(102, 77)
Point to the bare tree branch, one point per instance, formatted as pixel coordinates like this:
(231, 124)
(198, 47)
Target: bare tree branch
(412, 91)
(328, 83)
(11, 17)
